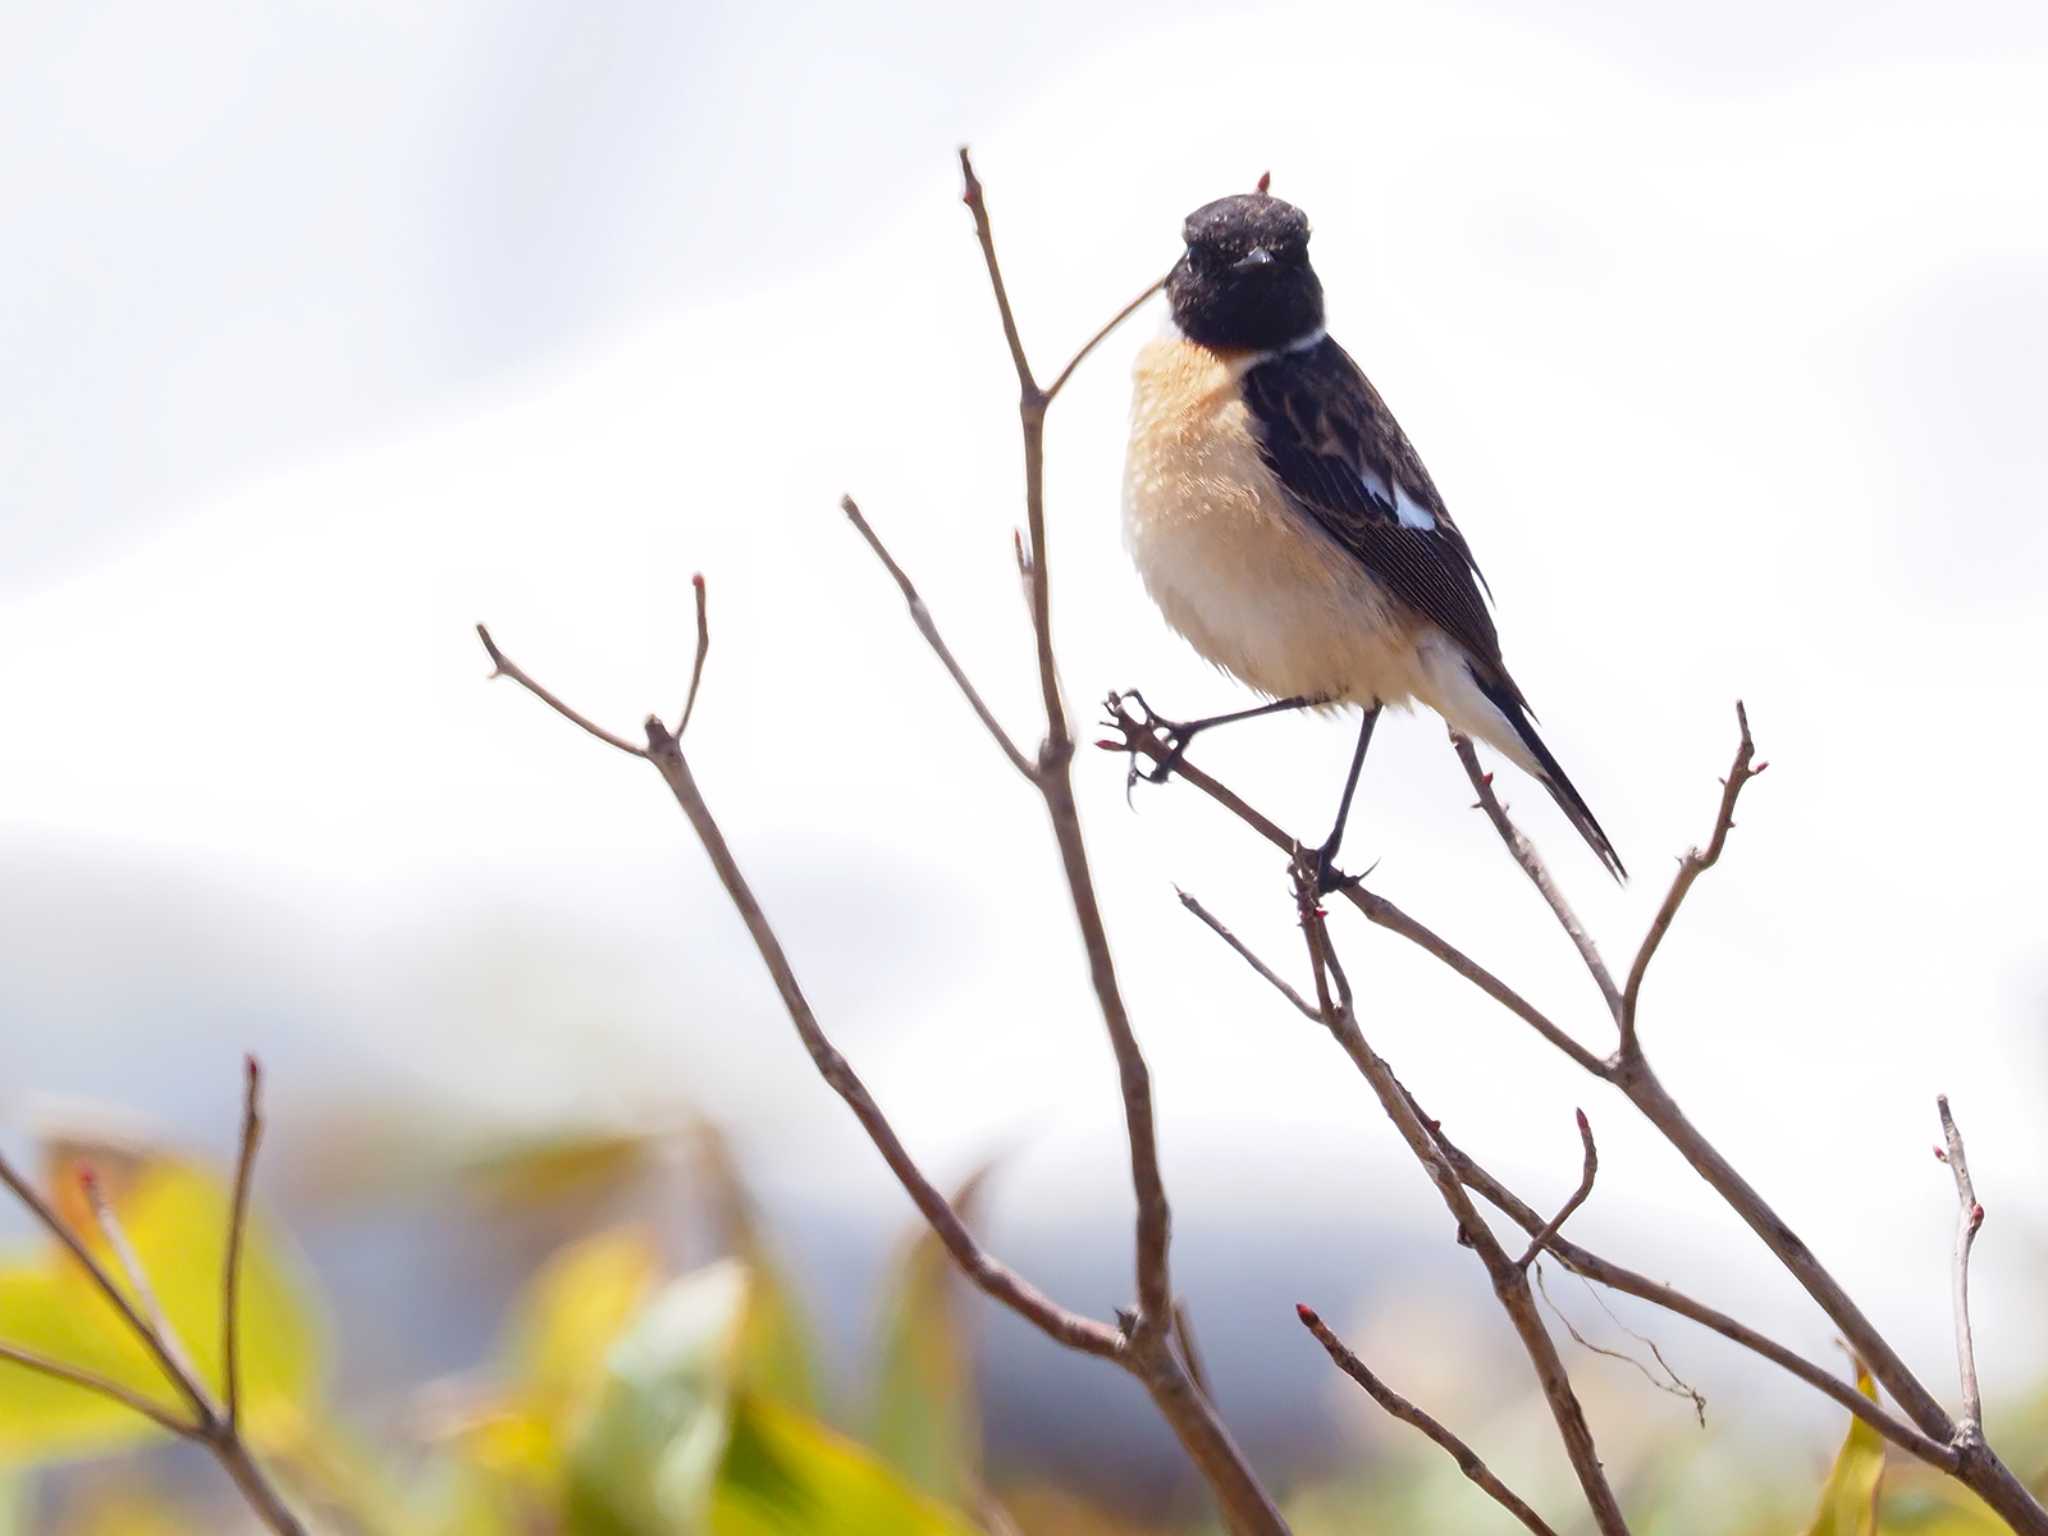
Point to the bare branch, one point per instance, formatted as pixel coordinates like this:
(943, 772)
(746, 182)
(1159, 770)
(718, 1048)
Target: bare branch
(504, 666)
(703, 650)
(92, 1381)
(1301, 1003)
(1690, 868)
(977, 204)
(1510, 1280)
(1630, 1071)
(1467, 1459)
(1584, 1262)
(1055, 783)
(1551, 1227)
(1525, 854)
(921, 616)
(1060, 382)
(238, 1228)
(993, 1277)
(1969, 1217)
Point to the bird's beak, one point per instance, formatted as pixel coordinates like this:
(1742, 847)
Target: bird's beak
(1259, 257)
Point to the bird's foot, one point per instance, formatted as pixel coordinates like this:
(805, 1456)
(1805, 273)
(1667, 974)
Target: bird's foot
(1330, 879)
(1173, 735)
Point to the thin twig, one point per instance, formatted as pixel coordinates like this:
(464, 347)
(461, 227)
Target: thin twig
(921, 616)
(1467, 1459)
(1969, 1217)
(1556, 1223)
(503, 666)
(238, 1227)
(1060, 381)
(92, 1381)
(1674, 1386)
(1525, 854)
(1695, 862)
(977, 204)
(703, 650)
(1216, 927)
(1656, 1350)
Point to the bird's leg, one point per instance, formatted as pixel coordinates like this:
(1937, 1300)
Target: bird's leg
(1328, 878)
(1180, 732)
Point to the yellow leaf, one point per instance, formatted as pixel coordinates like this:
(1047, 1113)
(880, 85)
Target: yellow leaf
(175, 1216)
(1848, 1502)
(788, 1475)
(572, 1310)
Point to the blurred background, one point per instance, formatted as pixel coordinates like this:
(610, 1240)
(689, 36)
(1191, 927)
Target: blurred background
(330, 330)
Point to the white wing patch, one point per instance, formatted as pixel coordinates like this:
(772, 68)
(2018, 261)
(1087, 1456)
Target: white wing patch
(1412, 513)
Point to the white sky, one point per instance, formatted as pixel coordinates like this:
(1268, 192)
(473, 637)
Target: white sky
(332, 333)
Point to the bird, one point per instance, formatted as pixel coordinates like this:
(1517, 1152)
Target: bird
(1287, 529)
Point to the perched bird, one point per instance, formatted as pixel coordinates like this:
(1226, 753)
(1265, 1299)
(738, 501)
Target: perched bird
(1286, 527)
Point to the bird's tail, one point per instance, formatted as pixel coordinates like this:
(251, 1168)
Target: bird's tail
(1513, 731)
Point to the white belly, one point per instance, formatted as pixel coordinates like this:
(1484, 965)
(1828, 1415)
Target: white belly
(1254, 587)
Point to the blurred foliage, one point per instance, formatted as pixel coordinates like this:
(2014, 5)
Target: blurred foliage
(926, 1414)
(625, 1398)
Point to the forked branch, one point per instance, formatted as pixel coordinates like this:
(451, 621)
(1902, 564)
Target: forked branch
(1510, 1279)
(1145, 1344)
(1932, 1434)
(204, 1421)
(1695, 863)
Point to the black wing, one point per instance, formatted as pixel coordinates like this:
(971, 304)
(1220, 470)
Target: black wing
(1332, 442)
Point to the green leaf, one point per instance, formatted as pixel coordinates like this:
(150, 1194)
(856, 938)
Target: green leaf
(175, 1216)
(788, 1475)
(1848, 1502)
(644, 1462)
(926, 1416)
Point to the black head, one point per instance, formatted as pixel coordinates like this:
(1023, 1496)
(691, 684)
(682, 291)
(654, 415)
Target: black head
(1245, 281)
